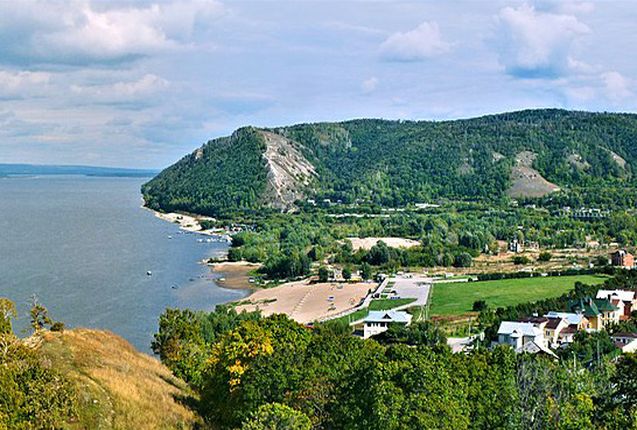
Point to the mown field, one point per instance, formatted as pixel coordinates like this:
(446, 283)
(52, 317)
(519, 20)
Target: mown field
(458, 298)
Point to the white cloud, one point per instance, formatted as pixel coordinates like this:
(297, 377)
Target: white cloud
(616, 86)
(421, 43)
(537, 44)
(22, 83)
(122, 92)
(80, 32)
(369, 85)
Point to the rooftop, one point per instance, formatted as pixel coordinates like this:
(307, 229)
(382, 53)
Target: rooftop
(388, 316)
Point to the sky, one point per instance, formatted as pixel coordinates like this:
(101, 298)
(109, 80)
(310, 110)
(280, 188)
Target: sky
(140, 84)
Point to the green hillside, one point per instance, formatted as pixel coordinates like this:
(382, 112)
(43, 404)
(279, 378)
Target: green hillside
(394, 163)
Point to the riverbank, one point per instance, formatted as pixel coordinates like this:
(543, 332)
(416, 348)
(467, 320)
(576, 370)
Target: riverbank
(235, 275)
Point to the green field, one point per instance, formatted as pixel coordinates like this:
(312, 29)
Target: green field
(458, 298)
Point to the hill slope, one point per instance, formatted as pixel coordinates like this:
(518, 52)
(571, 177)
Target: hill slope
(119, 387)
(393, 163)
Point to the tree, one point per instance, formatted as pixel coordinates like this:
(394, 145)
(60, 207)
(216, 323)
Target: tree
(276, 416)
(463, 259)
(323, 274)
(366, 271)
(479, 306)
(347, 273)
(378, 254)
(7, 313)
(39, 317)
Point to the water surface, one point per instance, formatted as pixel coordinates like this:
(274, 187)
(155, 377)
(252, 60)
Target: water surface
(84, 245)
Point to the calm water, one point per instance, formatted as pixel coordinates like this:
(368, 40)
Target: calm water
(83, 246)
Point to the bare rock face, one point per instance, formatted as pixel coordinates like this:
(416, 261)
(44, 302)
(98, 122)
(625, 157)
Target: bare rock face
(526, 181)
(289, 172)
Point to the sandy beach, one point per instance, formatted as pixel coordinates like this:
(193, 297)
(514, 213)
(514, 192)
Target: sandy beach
(393, 242)
(235, 275)
(305, 302)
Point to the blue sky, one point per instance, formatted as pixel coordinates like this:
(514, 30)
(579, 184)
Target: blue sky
(139, 84)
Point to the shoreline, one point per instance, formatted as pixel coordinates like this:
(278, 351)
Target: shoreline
(231, 275)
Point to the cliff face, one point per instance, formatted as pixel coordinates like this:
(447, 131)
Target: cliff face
(289, 172)
(117, 386)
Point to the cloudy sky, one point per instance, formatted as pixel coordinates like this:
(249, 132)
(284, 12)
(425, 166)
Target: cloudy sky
(139, 84)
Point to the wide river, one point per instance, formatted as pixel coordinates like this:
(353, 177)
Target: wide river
(84, 245)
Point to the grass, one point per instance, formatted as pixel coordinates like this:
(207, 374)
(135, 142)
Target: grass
(118, 387)
(375, 305)
(457, 299)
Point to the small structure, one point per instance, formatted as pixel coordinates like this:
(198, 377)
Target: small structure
(625, 299)
(517, 334)
(622, 258)
(627, 342)
(515, 246)
(378, 321)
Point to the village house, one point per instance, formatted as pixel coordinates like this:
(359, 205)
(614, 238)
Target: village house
(599, 312)
(627, 342)
(517, 334)
(624, 299)
(622, 258)
(378, 321)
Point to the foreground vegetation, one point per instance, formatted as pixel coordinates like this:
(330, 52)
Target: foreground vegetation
(459, 298)
(84, 379)
(252, 372)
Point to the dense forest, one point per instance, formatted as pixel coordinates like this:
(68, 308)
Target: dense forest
(396, 163)
(253, 372)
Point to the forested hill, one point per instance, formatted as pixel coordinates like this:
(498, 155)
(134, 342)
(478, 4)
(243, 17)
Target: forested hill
(524, 154)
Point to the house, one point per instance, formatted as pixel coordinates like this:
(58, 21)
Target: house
(378, 321)
(517, 334)
(599, 312)
(574, 319)
(622, 258)
(553, 328)
(628, 299)
(627, 342)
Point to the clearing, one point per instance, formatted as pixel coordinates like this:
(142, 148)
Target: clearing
(458, 298)
(393, 242)
(305, 302)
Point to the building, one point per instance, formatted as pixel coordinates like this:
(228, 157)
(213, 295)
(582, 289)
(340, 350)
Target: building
(627, 342)
(599, 312)
(515, 246)
(627, 298)
(517, 334)
(622, 258)
(378, 321)
(574, 319)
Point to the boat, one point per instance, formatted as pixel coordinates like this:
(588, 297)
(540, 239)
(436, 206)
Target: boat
(149, 273)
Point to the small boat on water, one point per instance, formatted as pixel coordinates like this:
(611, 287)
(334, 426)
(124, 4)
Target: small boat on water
(149, 273)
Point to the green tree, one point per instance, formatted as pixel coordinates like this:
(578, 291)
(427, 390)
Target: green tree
(276, 416)
(463, 259)
(347, 273)
(323, 274)
(366, 271)
(545, 256)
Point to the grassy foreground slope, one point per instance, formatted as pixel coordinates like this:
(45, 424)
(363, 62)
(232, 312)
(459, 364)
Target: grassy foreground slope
(118, 387)
(458, 298)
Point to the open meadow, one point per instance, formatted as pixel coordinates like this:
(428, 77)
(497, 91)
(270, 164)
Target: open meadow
(458, 298)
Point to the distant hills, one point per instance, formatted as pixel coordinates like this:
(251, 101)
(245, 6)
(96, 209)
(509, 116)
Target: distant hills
(34, 169)
(526, 154)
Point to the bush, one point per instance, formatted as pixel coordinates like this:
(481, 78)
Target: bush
(545, 256)
(463, 259)
(521, 259)
(479, 306)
